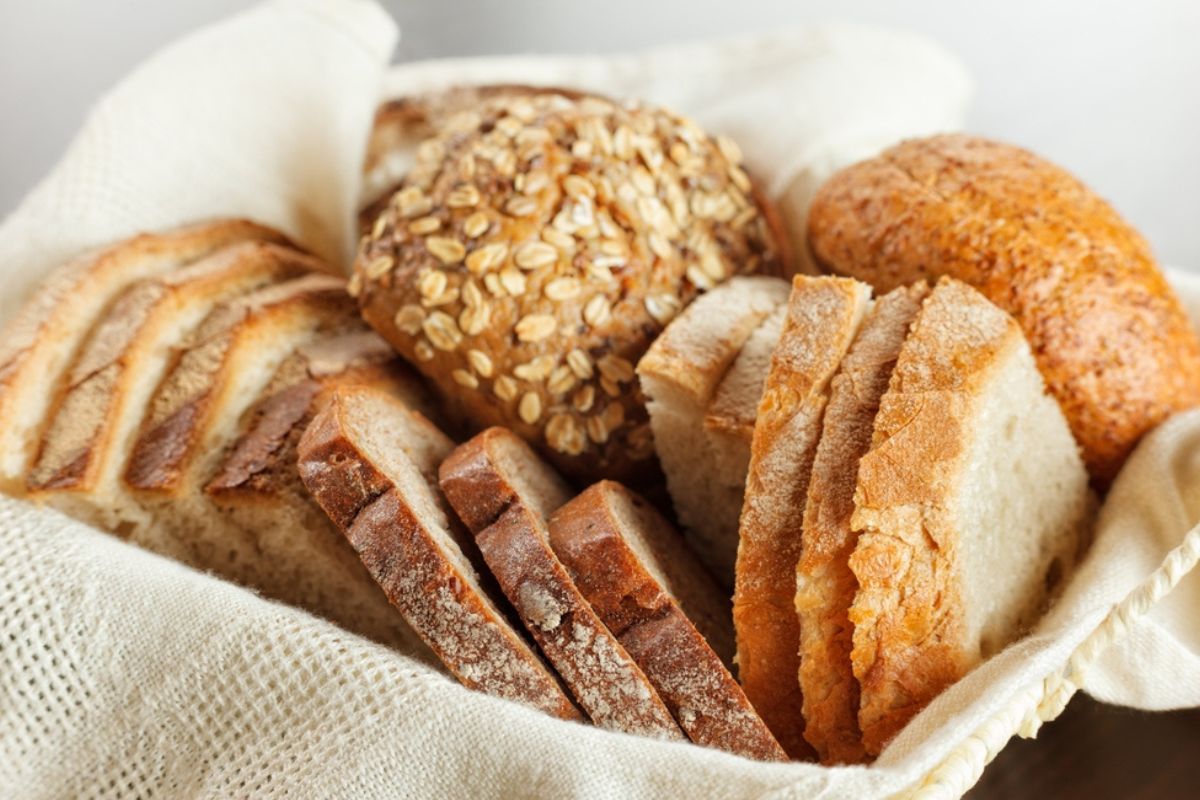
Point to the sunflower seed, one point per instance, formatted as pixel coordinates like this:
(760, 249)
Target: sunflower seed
(530, 408)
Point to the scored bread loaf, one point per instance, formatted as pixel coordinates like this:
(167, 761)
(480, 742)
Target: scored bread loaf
(224, 364)
(644, 582)
(679, 375)
(503, 493)
(1113, 342)
(822, 318)
(371, 463)
(301, 558)
(39, 343)
(825, 586)
(537, 247)
(972, 504)
(85, 445)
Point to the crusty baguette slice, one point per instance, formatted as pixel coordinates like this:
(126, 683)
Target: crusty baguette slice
(825, 586)
(222, 367)
(301, 557)
(729, 423)
(823, 316)
(39, 343)
(679, 374)
(503, 492)
(971, 504)
(640, 577)
(86, 443)
(371, 463)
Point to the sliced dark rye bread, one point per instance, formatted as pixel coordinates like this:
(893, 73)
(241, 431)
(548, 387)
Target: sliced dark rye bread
(971, 506)
(825, 586)
(39, 343)
(371, 463)
(679, 375)
(643, 581)
(823, 316)
(220, 369)
(503, 492)
(85, 445)
(300, 556)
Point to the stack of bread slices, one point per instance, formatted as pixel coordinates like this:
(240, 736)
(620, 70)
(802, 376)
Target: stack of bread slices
(158, 388)
(893, 495)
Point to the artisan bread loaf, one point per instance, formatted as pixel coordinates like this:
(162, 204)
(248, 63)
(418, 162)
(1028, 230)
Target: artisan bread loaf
(822, 318)
(257, 497)
(971, 504)
(1111, 339)
(825, 586)
(679, 375)
(87, 441)
(39, 343)
(371, 463)
(503, 493)
(537, 247)
(641, 578)
(221, 368)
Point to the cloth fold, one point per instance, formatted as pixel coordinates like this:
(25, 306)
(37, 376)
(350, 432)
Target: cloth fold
(123, 674)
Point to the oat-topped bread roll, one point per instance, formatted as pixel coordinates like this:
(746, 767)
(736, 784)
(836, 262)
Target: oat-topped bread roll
(1110, 337)
(537, 247)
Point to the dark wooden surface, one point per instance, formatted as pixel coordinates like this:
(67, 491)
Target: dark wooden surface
(1099, 752)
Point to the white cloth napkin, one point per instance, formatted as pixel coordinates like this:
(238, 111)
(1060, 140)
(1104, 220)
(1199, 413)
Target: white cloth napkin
(125, 675)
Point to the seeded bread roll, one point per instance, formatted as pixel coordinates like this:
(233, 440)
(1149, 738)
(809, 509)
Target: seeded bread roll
(1110, 337)
(538, 246)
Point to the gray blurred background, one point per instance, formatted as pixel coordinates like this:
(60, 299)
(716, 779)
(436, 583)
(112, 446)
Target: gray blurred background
(1109, 89)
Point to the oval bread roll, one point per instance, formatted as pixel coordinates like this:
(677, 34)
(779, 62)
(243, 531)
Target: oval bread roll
(1110, 337)
(536, 248)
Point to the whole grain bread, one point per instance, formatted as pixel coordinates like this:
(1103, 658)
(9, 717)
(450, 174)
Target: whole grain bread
(644, 582)
(39, 343)
(822, 319)
(1111, 338)
(371, 463)
(825, 586)
(679, 376)
(536, 248)
(971, 505)
(503, 492)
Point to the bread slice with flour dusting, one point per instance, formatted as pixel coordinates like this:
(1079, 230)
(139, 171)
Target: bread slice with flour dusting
(652, 592)
(503, 492)
(39, 343)
(371, 463)
(679, 375)
(825, 586)
(822, 319)
(971, 504)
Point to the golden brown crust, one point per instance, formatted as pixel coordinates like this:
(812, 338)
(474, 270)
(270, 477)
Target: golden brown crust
(825, 584)
(39, 342)
(823, 315)
(512, 538)
(1111, 339)
(587, 535)
(909, 612)
(404, 556)
(536, 249)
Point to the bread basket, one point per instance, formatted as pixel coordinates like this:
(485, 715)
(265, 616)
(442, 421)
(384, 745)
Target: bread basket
(125, 674)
